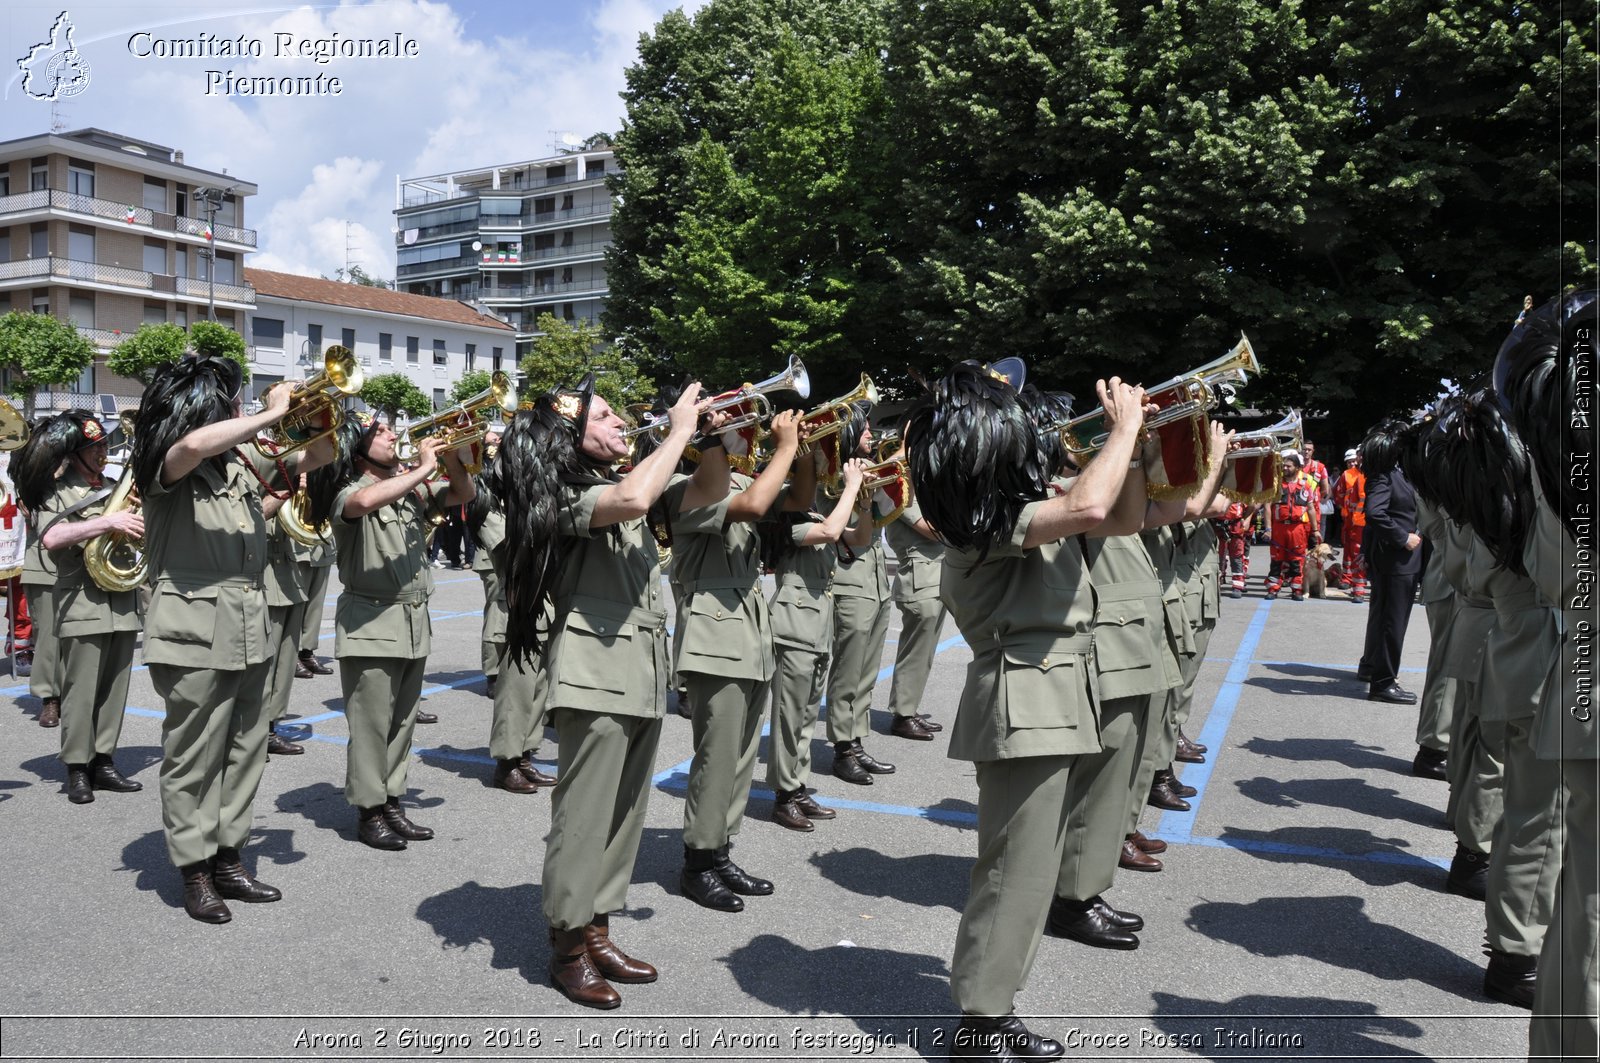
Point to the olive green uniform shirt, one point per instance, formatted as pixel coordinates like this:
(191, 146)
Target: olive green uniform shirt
(723, 625)
(919, 561)
(1131, 651)
(383, 565)
(802, 604)
(82, 606)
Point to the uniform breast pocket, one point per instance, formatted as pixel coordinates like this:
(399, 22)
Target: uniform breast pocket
(593, 653)
(1122, 639)
(714, 626)
(186, 614)
(797, 616)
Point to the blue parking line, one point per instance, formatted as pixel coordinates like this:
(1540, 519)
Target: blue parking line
(1217, 722)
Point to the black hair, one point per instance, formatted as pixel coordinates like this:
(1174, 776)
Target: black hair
(323, 485)
(183, 396)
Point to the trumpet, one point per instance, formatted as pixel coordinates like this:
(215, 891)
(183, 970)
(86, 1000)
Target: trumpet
(114, 561)
(747, 402)
(1274, 439)
(830, 418)
(1179, 399)
(314, 411)
(462, 425)
(892, 480)
(294, 522)
(13, 427)
(1253, 473)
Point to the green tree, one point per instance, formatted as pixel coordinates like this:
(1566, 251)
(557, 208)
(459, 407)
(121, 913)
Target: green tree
(393, 393)
(212, 339)
(568, 350)
(140, 354)
(41, 352)
(471, 383)
(356, 275)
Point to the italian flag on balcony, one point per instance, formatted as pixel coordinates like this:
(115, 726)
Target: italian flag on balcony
(130, 217)
(208, 234)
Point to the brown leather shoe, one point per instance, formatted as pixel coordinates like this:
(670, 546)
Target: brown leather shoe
(1184, 739)
(309, 662)
(1147, 845)
(1161, 795)
(1187, 752)
(809, 806)
(910, 727)
(374, 830)
(395, 816)
(279, 746)
(574, 973)
(929, 723)
(508, 776)
(301, 671)
(427, 717)
(230, 878)
(531, 770)
(50, 712)
(786, 813)
(612, 963)
(1135, 859)
(200, 898)
(1179, 787)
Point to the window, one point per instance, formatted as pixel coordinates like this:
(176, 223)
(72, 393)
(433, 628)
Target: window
(155, 314)
(155, 195)
(439, 356)
(566, 238)
(495, 358)
(181, 262)
(84, 385)
(472, 356)
(39, 241)
(80, 309)
(566, 201)
(225, 268)
(544, 206)
(385, 347)
(80, 178)
(155, 256)
(438, 398)
(41, 301)
(5, 245)
(314, 340)
(413, 346)
(39, 176)
(267, 332)
(553, 173)
(566, 312)
(596, 167)
(5, 184)
(566, 275)
(228, 211)
(347, 338)
(80, 243)
(180, 317)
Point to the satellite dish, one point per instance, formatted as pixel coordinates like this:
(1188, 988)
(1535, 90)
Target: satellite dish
(571, 139)
(477, 245)
(410, 236)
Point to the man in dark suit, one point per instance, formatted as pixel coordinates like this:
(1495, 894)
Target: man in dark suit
(1395, 560)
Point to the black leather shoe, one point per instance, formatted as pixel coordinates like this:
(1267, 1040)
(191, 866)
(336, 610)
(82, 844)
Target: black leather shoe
(309, 662)
(737, 878)
(301, 671)
(395, 816)
(1469, 874)
(847, 766)
(236, 884)
(1120, 920)
(930, 723)
(1187, 752)
(786, 813)
(1428, 763)
(279, 746)
(427, 717)
(1161, 795)
(200, 898)
(1005, 1038)
(1393, 694)
(1179, 787)
(1510, 979)
(871, 763)
(508, 776)
(809, 806)
(1083, 922)
(531, 770)
(80, 791)
(103, 775)
(374, 830)
(910, 727)
(1185, 740)
(702, 885)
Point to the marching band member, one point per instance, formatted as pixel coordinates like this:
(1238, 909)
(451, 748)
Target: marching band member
(800, 550)
(578, 542)
(288, 585)
(95, 629)
(860, 626)
(41, 661)
(380, 515)
(207, 633)
(317, 561)
(725, 658)
(1014, 582)
(919, 557)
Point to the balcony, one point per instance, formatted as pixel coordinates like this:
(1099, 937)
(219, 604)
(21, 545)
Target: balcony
(432, 197)
(443, 266)
(53, 201)
(68, 271)
(589, 249)
(544, 218)
(523, 292)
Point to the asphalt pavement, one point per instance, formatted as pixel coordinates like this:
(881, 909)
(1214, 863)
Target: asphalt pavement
(1300, 914)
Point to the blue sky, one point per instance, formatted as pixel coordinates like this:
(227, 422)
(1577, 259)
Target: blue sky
(493, 81)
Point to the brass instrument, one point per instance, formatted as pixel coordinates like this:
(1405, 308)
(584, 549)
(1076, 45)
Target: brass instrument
(314, 412)
(294, 522)
(1273, 439)
(1254, 473)
(13, 427)
(747, 402)
(1181, 398)
(113, 560)
(891, 479)
(830, 418)
(888, 445)
(462, 425)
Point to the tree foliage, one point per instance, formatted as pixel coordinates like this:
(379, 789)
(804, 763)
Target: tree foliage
(393, 393)
(356, 275)
(41, 352)
(471, 383)
(210, 338)
(568, 350)
(1366, 190)
(154, 345)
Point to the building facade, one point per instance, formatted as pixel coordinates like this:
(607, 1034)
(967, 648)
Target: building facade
(526, 238)
(109, 232)
(432, 341)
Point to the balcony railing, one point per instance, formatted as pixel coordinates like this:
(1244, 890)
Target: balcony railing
(68, 269)
(534, 291)
(538, 219)
(71, 203)
(429, 197)
(545, 254)
(443, 265)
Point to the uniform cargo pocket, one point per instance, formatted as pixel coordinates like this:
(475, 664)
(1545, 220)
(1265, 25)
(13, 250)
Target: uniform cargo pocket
(592, 652)
(713, 626)
(1042, 677)
(1122, 640)
(187, 614)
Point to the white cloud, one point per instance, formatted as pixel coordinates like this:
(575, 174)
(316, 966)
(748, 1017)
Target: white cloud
(483, 90)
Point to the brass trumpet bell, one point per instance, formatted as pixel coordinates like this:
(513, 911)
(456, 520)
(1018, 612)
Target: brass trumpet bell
(314, 412)
(748, 402)
(1273, 439)
(462, 425)
(14, 429)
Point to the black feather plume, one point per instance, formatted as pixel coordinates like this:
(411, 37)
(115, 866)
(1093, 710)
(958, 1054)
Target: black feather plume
(323, 485)
(188, 394)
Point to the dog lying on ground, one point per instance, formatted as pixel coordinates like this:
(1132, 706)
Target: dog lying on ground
(1323, 570)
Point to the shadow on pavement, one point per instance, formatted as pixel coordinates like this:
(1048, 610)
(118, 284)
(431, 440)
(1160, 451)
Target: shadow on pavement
(1357, 795)
(1248, 1027)
(1330, 750)
(146, 856)
(505, 918)
(1336, 931)
(1374, 860)
(932, 880)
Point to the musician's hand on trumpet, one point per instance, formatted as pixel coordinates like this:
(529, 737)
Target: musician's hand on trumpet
(276, 400)
(786, 431)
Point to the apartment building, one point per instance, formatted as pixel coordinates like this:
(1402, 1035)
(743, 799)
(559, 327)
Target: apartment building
(431, 340)
(108, 232)
(525, 238)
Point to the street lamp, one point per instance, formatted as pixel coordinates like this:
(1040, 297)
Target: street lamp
(213, 198)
